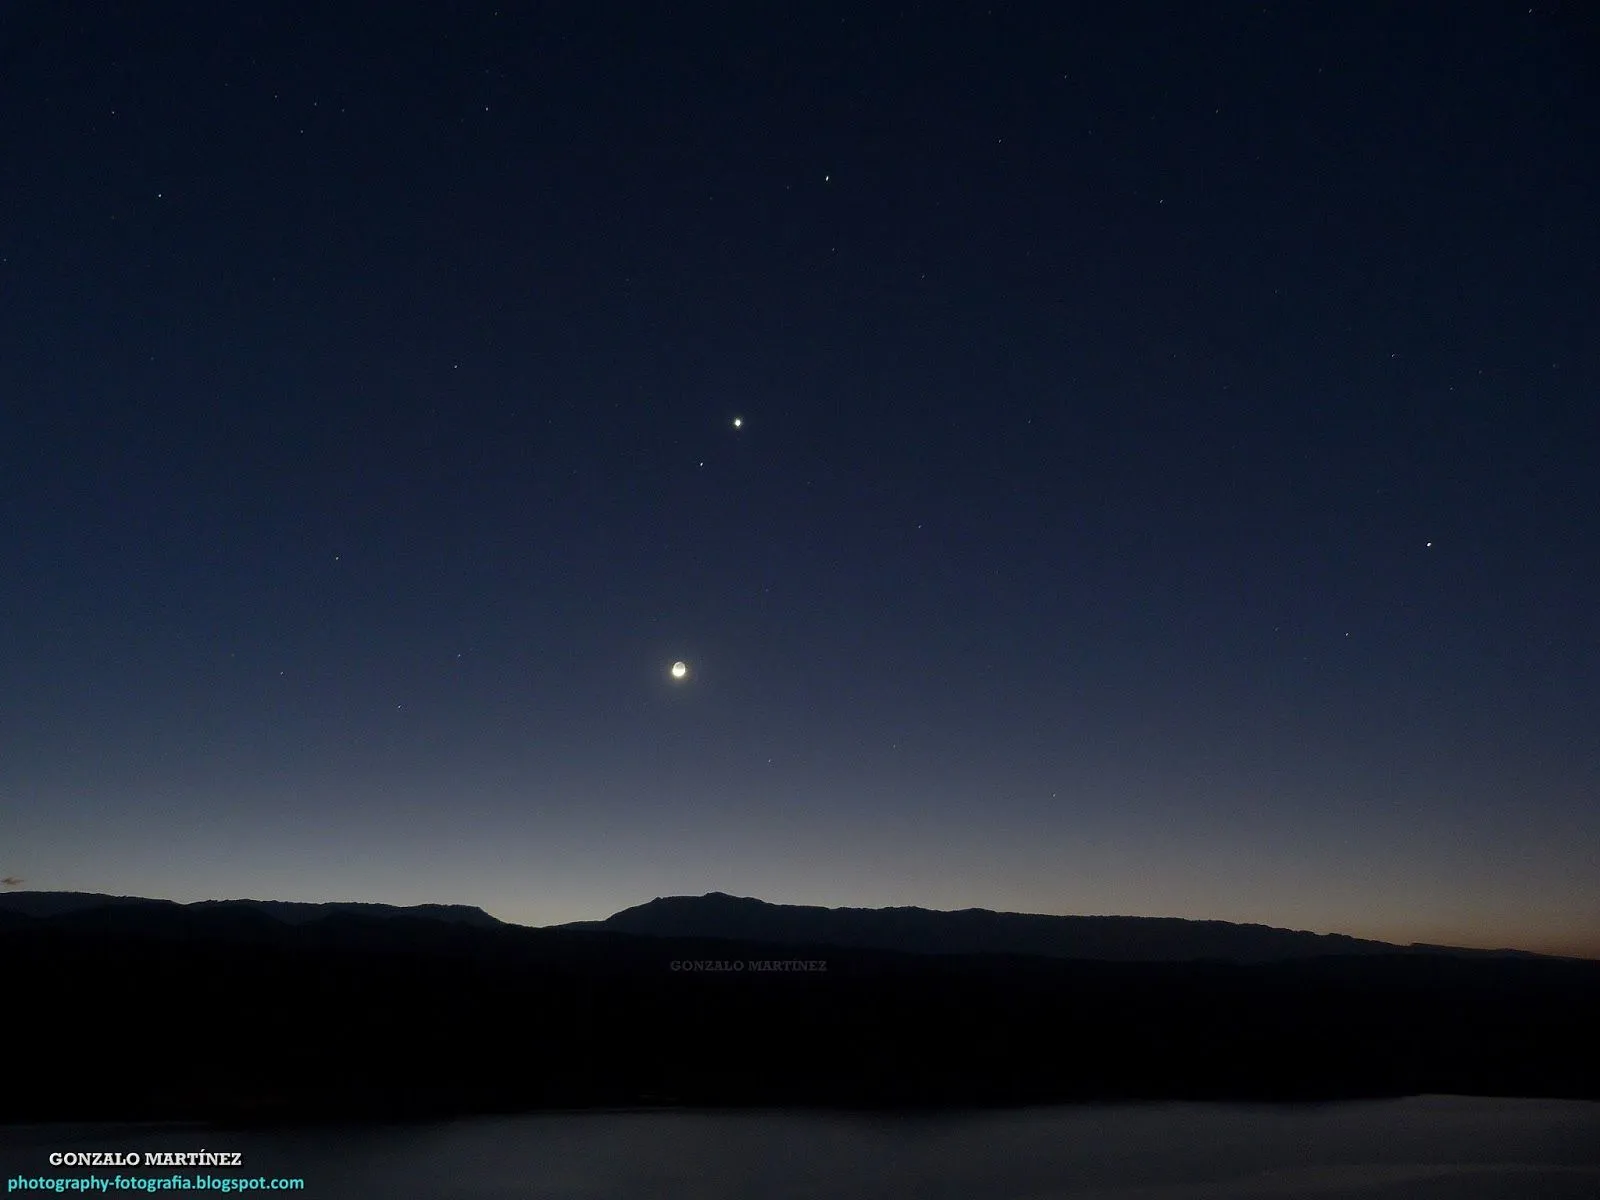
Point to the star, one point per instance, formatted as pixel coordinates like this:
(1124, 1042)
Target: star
(738, 422)
(679, 671)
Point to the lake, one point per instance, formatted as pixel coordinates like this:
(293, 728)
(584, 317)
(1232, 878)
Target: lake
(1421, 1147)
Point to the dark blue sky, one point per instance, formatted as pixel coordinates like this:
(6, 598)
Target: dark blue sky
(1166, 482)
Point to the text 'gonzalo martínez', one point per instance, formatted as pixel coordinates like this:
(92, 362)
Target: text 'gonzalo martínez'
(150, 1158)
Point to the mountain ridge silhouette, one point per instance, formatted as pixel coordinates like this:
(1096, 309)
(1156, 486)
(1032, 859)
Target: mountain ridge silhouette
(916, 930)
(228, 1011)
(722, 916)
(289, 912)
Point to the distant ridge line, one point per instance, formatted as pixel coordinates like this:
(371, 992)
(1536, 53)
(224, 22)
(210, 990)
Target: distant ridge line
(979, 930)
(901, 929)
(288, 912)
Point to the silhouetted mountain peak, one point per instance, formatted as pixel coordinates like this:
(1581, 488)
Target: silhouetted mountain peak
(980, 931)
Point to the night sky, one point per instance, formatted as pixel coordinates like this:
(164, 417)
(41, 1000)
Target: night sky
(1165, 480)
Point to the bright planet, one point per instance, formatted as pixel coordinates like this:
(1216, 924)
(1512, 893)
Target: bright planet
(680, 670)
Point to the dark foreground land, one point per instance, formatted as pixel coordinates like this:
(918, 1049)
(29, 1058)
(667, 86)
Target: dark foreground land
(218, 1015)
